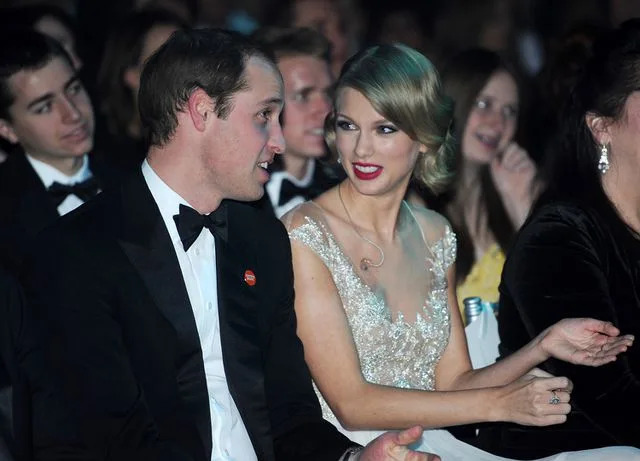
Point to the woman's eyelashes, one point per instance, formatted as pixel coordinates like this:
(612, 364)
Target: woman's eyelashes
(487, 105)
(386, 129)
(345, 125)
(382, 128)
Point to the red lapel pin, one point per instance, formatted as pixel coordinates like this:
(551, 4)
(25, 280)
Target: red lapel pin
(249, 277)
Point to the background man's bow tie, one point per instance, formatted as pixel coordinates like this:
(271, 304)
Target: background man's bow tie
(288, 190)
(84, 190)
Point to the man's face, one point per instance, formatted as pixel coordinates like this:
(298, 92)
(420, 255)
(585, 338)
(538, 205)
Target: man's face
(307, 84)
(51, 116)
(240, 147)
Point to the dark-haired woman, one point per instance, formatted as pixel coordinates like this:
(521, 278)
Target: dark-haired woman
(579, 253)
(495, 182)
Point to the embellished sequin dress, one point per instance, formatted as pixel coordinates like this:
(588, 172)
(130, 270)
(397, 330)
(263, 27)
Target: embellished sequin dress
(397, 346)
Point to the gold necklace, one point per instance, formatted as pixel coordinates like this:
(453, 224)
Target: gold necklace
(365, 263)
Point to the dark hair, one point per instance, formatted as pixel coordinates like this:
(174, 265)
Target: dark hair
(463, 78)
(211, 59)
(29, 15)
(29, 50)
(609, 77)
(294, 41)
(123, 51)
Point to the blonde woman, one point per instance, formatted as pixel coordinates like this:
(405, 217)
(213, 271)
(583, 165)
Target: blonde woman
(374, 280)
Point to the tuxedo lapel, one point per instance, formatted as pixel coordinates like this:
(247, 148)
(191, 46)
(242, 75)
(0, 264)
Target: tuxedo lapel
(241, 332)
(146, 242)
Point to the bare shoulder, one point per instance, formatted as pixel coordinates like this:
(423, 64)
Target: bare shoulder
(434, 225)
(317, 210)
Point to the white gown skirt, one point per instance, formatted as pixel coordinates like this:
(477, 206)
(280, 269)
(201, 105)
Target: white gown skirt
(445, 445)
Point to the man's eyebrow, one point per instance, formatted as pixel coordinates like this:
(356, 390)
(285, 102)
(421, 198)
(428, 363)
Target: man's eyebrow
(48, 96)
(272, 101)
(45, 97)
(305, 89)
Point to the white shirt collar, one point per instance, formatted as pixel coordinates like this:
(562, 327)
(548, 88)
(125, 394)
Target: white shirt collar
(275, 182)
(305, 181)
(167, 199)
(48, 174)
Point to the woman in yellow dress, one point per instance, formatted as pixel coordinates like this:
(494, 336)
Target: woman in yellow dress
(496, 178)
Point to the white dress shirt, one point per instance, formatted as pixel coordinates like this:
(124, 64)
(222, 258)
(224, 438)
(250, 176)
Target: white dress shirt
(48, 175)
(198, 266)
(275, 181)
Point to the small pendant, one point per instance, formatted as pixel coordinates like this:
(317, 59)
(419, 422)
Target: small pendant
(364, 264)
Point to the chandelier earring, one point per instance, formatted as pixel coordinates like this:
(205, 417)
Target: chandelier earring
(603, 162)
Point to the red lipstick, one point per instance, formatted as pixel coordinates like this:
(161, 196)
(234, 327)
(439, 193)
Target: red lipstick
(366, 171)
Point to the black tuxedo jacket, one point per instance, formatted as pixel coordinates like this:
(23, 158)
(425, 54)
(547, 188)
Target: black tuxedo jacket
(121, 340)
(26, 208)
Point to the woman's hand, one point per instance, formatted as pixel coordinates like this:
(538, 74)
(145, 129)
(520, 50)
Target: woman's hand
(528, 401)
(584, 341)
(392, 446)
(513, 173)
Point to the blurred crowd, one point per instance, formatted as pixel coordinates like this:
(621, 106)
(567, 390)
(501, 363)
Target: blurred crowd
(509, 67)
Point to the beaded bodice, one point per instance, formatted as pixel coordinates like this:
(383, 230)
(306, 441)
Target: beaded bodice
(395, 347)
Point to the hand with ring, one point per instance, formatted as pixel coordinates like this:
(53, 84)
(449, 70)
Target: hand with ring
(554, 400)
(535, 401)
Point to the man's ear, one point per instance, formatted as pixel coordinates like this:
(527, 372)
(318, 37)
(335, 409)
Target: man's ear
(6, 131)
(201, 109)
(599, 126)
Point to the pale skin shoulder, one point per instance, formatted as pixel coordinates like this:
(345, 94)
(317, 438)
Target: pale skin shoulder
(463, 395)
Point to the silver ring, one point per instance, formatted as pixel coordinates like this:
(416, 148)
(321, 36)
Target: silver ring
(554, 400)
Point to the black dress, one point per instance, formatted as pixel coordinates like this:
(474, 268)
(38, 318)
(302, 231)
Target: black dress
(572, 259)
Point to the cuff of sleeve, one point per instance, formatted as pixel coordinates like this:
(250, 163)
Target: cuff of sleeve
(352, 454)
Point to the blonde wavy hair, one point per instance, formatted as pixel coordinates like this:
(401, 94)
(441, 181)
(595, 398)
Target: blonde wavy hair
(404, 87)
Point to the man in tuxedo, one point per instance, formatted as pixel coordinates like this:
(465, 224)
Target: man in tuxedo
(45, 110)
(178, 340)
(303, 61)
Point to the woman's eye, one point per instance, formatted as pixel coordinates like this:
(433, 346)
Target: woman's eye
(344, 125)
(483, 104)
(387, 129)
(509, 112)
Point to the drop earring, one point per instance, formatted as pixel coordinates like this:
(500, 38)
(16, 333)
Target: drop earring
(603, 162)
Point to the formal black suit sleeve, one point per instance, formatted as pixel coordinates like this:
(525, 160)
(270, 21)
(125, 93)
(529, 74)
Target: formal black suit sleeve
(296, 419)
(89, 372)
(562, 266)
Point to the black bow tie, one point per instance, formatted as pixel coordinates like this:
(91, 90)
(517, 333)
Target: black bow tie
(288, 191)
(84, 190)
(190, 223)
